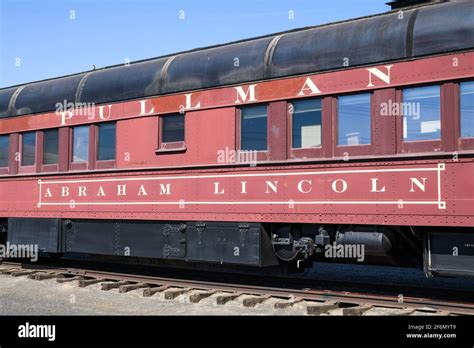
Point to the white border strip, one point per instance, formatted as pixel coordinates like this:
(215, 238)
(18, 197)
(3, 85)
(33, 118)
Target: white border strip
(182, 202)
(441, 204)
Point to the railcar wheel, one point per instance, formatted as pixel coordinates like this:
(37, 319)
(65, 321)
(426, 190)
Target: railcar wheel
(282, 241)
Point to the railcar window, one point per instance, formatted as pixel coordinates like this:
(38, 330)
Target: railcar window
(80, 147)
(28, 148)
(306, 123)
(106, 148)
(253, 128)
(421, 113)
(4, 150)
(172, 128)
(50, 148)
(354, 124)
(467, 109)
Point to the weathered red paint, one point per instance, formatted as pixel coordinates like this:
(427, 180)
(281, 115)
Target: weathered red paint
(309, 194)
(384, 126)
(277, 131)
(206, 132)
(214, 127)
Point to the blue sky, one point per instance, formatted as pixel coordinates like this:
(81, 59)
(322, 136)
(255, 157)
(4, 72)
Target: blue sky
(41, 36)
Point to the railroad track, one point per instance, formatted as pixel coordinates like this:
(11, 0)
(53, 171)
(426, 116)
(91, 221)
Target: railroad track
(315, 301)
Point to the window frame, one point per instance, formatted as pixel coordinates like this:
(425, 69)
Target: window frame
(309, 152)
(89, 164)
(427, 146)
(6, 170)
(28, 169)
(175, 146)
(353, 150)
(463, 143)
(45, 168)
(102, 164)
(262, 155)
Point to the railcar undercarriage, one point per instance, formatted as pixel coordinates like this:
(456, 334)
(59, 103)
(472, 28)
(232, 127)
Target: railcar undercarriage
(245, 246)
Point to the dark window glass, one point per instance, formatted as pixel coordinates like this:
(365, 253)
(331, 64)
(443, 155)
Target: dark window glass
(28, 148)
(106, 151)
(80, 146)
(254, 128)
(50, 148)
(353, 126)
(306, 123)
(421, 113)
(467, 109)
(173, 128)
(4, 150)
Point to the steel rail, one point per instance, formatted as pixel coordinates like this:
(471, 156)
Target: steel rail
(343, 297)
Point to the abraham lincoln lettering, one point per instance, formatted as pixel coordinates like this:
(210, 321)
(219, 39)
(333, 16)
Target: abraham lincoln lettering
(217, 188)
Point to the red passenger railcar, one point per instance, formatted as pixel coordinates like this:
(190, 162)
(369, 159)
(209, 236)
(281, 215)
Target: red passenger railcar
(270, 152)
